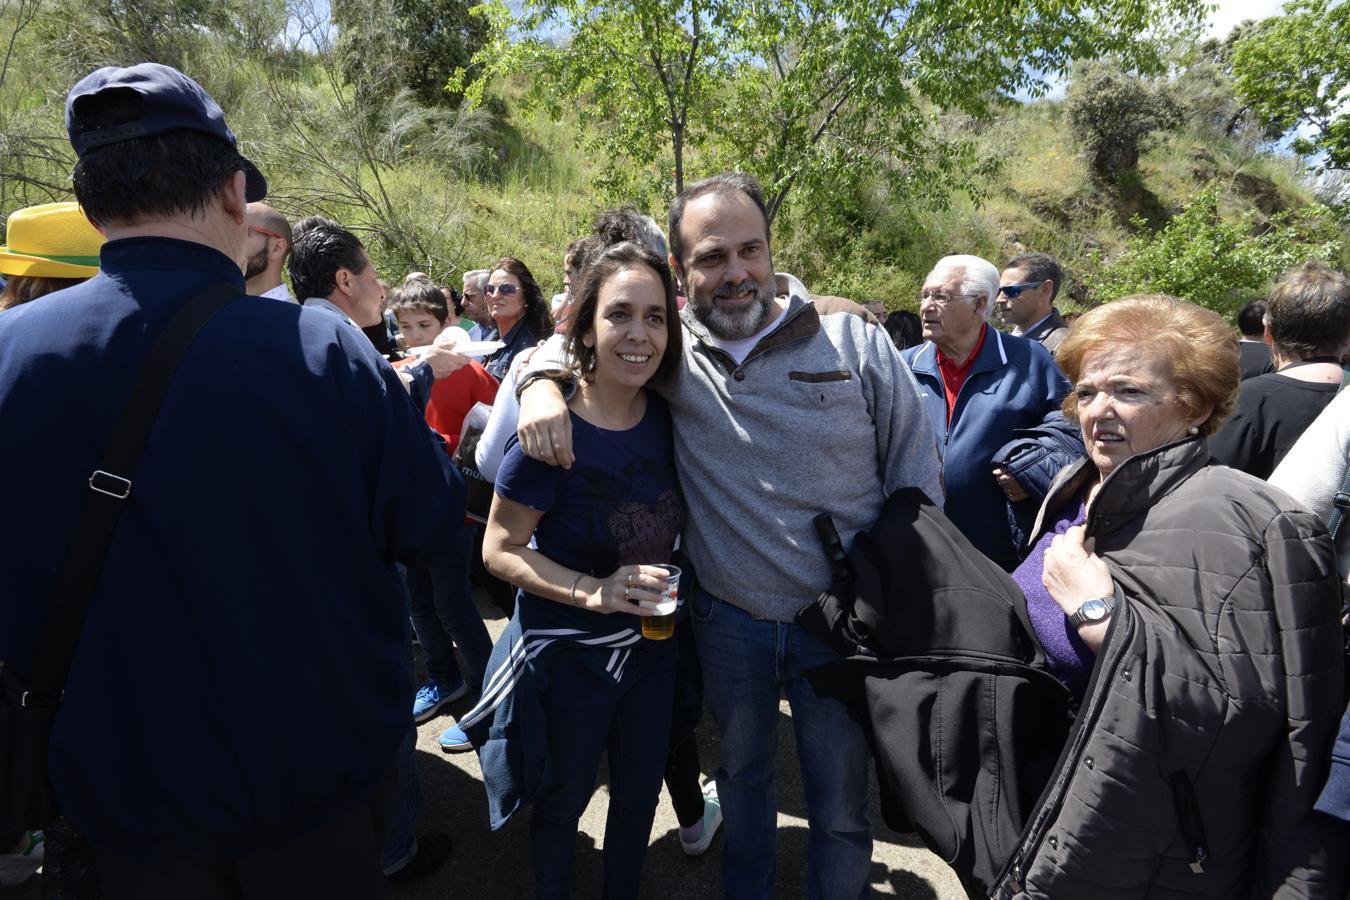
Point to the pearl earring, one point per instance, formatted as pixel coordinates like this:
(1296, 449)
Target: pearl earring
(1193, 431)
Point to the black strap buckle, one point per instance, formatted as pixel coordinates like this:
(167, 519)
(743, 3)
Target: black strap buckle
(1341, 500)
(113, 485)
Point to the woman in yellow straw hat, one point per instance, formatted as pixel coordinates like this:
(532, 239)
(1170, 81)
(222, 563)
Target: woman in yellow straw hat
(49, 247)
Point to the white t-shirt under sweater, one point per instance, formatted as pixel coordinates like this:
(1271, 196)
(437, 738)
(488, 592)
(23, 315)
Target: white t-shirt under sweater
(740, 349)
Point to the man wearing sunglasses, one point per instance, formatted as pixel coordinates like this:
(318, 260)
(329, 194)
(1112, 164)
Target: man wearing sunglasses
(269, 243)
(1026, 298)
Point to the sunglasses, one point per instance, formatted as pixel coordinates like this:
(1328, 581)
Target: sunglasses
(1013, 291)
(272, 234)
(506, 290)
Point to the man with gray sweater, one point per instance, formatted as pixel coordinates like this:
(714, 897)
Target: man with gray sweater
(780, 413)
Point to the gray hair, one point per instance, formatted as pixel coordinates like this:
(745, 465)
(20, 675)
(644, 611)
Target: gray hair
(978, 277)
(477, 279)
(652, 237)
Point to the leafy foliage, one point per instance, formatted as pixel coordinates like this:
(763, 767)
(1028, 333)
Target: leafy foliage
(928, 157)
(385, 46)
(1217, 262)
(1112, 112)
(806, 96)
(1295, 71)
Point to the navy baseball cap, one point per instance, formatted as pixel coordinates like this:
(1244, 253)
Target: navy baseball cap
(170, 101)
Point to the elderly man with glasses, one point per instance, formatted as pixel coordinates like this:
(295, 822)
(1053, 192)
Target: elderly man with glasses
(1026, 298)
(980, 386)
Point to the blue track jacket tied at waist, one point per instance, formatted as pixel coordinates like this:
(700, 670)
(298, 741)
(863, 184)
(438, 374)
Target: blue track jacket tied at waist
(250, 603)
(509, 724)
(1013, 384)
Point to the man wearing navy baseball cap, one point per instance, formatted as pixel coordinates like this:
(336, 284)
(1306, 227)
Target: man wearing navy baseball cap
(249, 606)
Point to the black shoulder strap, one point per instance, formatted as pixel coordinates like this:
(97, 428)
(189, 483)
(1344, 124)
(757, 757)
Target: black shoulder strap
(109, 487)
(1339, 504)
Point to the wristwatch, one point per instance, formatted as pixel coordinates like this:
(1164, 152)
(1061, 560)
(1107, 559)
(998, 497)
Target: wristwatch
(1094, 610)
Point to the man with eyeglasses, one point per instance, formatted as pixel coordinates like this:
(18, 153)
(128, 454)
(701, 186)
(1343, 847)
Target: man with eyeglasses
(269, 243)
(1026, 297)
(980, 386)
(475, 306)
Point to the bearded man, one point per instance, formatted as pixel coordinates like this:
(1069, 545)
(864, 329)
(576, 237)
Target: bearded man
(269, 243)
(781, 411)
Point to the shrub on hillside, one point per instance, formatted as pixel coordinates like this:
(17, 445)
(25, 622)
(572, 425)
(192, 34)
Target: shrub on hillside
(1217, 262)
(1111, 113)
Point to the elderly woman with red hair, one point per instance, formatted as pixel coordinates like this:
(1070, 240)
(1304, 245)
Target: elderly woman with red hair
(1194, 613)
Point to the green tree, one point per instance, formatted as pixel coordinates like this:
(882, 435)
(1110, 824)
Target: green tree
(1112, 112)
(1294, 70)
(1216, 262)
(638, 75)
(385, 46)
(808, 94)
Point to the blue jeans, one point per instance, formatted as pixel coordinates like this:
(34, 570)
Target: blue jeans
(748, 664)
(445, 617)
(588, 717)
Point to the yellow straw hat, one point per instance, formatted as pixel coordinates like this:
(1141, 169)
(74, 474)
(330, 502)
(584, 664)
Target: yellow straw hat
(53, 240)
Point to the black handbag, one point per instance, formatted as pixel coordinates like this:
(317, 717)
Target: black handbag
(477, 489)
(29, 706)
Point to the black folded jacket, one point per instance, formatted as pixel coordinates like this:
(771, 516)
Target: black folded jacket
(941, 667)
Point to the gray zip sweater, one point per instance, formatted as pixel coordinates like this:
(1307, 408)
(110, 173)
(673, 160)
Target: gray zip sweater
(822, 416)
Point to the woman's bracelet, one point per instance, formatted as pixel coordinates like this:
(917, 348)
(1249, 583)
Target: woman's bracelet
(572, 595)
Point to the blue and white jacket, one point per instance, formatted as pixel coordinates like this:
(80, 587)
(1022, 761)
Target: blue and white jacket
(1013, 384)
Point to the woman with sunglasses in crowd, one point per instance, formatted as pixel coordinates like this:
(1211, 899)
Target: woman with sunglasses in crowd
(518, 308)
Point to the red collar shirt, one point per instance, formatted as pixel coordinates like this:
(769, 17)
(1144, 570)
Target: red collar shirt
(954, 374)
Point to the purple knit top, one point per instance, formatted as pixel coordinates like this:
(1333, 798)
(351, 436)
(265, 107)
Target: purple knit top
(1067, 657)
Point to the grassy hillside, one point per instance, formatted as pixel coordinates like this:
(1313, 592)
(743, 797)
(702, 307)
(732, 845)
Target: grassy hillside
(443, 191)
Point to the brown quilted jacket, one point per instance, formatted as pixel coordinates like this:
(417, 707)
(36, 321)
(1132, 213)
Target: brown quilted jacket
(1205, 734)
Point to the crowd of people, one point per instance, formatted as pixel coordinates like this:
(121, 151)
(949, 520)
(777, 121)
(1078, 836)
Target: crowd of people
(824, 497)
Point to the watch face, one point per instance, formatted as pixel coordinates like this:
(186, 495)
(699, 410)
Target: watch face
(1094, 610)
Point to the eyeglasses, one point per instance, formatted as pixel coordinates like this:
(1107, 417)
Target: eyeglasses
(506, 290)
(1013, 291)
(942, 298)
(272, 234)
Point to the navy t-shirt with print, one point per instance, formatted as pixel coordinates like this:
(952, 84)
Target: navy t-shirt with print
(618, 505)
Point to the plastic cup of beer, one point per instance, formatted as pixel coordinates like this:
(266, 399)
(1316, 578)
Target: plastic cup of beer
(662, 625)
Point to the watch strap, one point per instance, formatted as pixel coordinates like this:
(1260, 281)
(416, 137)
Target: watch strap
(1079, 618)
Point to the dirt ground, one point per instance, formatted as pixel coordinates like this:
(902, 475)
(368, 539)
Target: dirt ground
(490, 866)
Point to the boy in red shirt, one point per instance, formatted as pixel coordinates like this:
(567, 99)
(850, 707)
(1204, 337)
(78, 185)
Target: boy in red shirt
(443, 611)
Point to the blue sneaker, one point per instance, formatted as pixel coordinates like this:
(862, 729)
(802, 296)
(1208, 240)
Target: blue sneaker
(454, 740)
(432, 698)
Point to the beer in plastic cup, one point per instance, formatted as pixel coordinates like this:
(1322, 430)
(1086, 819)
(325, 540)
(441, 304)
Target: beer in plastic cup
(662, 625)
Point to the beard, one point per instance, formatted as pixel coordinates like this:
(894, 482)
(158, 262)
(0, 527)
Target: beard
(256, 265)
(734, 325)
